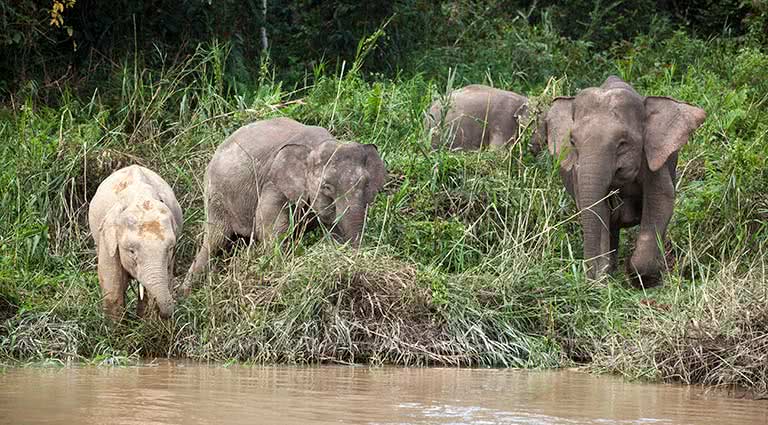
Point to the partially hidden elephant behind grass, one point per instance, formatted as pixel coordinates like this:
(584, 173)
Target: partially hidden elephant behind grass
(267, 169)
(135, 221)
(476, 116)
(610, 138)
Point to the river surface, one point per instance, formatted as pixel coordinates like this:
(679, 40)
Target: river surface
(191, 393)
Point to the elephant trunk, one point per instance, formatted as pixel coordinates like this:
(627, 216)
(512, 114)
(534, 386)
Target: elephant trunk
(592, 190)
(155, 279)
(352, 223)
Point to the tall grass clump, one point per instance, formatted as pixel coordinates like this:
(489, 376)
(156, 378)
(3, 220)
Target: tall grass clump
(715, 336)
(468, 258)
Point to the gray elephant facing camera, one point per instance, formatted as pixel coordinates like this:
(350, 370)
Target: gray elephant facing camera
(611, 138)
(265, 168)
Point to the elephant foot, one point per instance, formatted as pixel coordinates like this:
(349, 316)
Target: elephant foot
(643, 280)
(646, 267)
(185, 290)
(114, 313)
(598, 268)
(113, 306)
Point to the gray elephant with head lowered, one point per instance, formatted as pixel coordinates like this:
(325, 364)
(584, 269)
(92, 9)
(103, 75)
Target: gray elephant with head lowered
(476, 116)
(611, 138)
(135, 221)
(265, 167)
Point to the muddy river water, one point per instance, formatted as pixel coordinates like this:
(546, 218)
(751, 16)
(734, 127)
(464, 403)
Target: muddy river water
(190, 393)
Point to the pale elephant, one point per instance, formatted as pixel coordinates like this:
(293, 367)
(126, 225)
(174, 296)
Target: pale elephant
(610, 138)
(135, 221)
(476, 116)
(267, 169)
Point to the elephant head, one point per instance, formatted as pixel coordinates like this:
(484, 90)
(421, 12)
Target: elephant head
(338, 181)
(141, 238)
(609, 138)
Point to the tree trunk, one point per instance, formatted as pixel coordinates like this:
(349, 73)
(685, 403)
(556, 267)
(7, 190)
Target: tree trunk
(264, 40)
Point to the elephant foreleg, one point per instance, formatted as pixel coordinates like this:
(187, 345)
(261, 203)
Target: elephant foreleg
(646, 263)
(113, 280)
(216, 233)
(500, 139)
(272, 216)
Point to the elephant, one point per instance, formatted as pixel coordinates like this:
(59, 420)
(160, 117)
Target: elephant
(264, 168)
(611, 139)
(476, 116)
(135, 221)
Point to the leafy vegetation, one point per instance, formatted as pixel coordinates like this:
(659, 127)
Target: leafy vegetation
(468, 259)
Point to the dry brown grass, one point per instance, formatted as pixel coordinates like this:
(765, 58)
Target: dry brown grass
(716, 337)
(336, 305)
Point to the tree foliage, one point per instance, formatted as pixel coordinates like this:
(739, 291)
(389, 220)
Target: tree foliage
(37, 45)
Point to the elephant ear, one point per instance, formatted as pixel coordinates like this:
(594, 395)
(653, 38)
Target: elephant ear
(376, 170)
(521, 114)
(108, 230)
(175, 226)
(668, 126)
(169, 204)
(559, 123)
(288, 171)
(556, 130)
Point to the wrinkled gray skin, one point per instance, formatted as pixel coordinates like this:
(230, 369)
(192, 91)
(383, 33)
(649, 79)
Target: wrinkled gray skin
(611, 138)
(135, 221)
(477, 116)
(264, 167)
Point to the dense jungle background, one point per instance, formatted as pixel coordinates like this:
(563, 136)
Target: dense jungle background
(468, 259)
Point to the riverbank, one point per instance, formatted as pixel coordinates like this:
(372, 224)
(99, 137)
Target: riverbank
(468, 259)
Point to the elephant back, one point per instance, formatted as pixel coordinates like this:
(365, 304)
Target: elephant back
(247, 154)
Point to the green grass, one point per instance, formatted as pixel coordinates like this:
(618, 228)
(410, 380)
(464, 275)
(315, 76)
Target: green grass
(469, 259)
